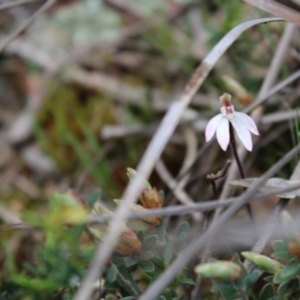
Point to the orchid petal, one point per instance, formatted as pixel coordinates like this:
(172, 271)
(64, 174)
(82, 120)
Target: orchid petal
(248, 121)
(243, 133)
(223, 133)
(211, 127)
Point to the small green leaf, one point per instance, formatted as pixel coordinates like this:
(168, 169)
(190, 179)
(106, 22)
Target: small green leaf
(147, 255)
(241, 285)
(39, 285)
(283, 288)
(281, 250)
(251, 278)
(279, 279)
(110, 285)
(183, 228)
(136, 225)
(124, 272)
(128, 298)
(130, 261)
(288, 272)
(117, 260)
(154, 275)
(242, 266)
(92, 198)
(181, 237)
(131, 173)
(219, 287)
(161, 230)
(161, 298)
(280, 245)
(186, 281)
(147, 266)
(228, 291)
(281, 255)
(161, 194)
(180, 241)
(268, 278)
(287, 288)
(112, 273)
(267, 292)
(231, 295)
(158, 262)
(149, 242)
(169, 251)
(140, 236)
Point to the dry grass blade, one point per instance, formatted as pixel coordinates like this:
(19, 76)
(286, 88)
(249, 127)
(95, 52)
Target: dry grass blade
(273, 91)
(279, 116)
(277, 9)
(154, 151)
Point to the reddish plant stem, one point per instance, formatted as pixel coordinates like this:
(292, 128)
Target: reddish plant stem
(240, 166)
(234, 151)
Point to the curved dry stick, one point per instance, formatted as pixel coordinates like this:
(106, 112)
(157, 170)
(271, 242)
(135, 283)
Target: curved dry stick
(166, 177)
(190, 137)
(24, 26)
(190, 156)
(17, 3)
(272, 91)
(277, 9)
(180, 194)
(154, 151)
(184, 257)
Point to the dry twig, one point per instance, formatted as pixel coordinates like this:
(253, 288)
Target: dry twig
(277, 9)
(24, 26)
(17, 3)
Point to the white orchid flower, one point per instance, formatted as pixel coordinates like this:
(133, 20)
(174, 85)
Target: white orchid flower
(241, 122)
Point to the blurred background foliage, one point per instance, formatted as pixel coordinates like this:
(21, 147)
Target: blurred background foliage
(81, 94)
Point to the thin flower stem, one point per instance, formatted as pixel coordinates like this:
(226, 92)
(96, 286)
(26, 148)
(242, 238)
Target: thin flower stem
(214, 189)
(212, 178)
(234, 151)
(240, 167)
